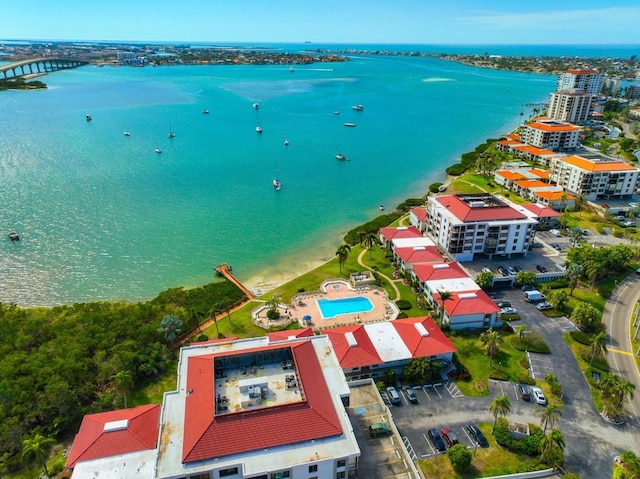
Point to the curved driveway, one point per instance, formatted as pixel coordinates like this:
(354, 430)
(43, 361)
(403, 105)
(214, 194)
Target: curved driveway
(617, 316)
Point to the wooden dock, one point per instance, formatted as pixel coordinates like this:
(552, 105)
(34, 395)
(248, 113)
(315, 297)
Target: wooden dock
(224, 270)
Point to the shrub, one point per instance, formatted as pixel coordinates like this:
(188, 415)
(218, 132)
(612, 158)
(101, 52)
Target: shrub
(435, 187)
(402, 315)
(532, 341)
(562, 282)
(499, 375)
(373, 226)
(403, 304)
(301, 290)
(202, 337)
(457, 169)
(409, 203)
(580, 337)
(460, 457)
(524, 378)
(528, 445)
(273, 314)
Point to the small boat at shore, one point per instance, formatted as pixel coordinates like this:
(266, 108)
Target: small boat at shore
(350, 124)
(358, 107)
(277, 184)
(341, 157)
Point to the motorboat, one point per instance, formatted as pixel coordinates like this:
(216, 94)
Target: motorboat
(259, 129)
(358, 107)
(336, 112)
(13, 236)
(286, 142)
(341, 157)
(126, 133)
(88, 117)
(205, 111)
(277, 184)
(256, 106)
(350, 124)
(158, 150)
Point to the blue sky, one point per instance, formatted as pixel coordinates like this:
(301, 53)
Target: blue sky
(326, 21)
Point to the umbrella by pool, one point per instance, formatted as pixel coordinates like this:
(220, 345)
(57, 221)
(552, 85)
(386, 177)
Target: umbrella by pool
(307, 318)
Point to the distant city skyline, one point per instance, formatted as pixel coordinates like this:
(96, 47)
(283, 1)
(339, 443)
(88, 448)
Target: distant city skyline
(329, 21)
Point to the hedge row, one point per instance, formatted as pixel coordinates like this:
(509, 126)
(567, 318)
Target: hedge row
(528, 445)
(373, 226)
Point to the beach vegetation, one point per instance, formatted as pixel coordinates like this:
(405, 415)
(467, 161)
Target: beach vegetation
(353, 236)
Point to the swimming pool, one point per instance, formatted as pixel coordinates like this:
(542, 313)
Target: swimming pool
(330, 308)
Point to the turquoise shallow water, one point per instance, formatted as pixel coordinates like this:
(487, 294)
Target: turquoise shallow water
(102, 216)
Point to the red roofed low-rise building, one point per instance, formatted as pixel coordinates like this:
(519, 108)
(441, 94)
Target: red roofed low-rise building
(479, 224)
(388, 234)
(408, 257)
(437, 271)
(547, 217)
(469, 310)
(418, 218)
(258, 407)
(372, 350)
(105, 441)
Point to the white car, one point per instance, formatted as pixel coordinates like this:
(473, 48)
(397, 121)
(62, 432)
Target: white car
(538, 395)
(555, 233)
(544, 305)
(509, 310)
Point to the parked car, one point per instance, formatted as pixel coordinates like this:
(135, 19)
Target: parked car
(633, 204)
(544, 305)
(541, 268)
(627, 224)
(437, 441)
(508, 310)
(449, 436)
(538, 395)
(555, 232)
(556, 246)
(605, 206)
(486, 270)
(475, 432)
(533, 296)
(394, 397)
(527, 287)
(502, 271)
(511, 270)
(517, 268)
(411, 395)
(638, 271)
(523, 392)
(504, 304)
(379, 429)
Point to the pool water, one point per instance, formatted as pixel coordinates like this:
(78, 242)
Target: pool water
(330, 308)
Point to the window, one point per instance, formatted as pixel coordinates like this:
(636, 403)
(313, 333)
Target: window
(341, 463)
(313, 468)
(280, 475)
(232, 471)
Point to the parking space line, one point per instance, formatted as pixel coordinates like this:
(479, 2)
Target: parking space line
(453, 389)
(424, 389)
(436, 389)
(409, 448)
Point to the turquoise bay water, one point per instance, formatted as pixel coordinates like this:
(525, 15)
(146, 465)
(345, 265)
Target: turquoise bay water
(102, 216)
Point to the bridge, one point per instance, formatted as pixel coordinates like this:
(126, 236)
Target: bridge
(38, 66)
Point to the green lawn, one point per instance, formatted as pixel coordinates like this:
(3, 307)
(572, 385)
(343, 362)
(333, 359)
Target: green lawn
(487, 462)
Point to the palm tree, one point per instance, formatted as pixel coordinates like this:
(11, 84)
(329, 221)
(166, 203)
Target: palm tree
(171, 327)
(123, 381)
(343, 253)
(499, 407)
(444, 296)
(224, 306)
(552, 448)
(273, 303)
(598, 343)
(491, 341)
(520, 330)
(548, 416)
(212, 314)
(37, 448)
(573, 272)
(624, 388)
(370, 240)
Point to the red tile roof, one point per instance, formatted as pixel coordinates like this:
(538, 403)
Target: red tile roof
(552, 126)
(466, 213)
(428, 272)
(531, 184)
(420, 213)
(140, 433)
(208, 436)
(433, 344)
(542, 211)
(419, 254)
(582, 72)
(288, 333)
(361, 354)
(390, 233)
(597, 165)
(510, 174)
(469, 302)
(512, 136)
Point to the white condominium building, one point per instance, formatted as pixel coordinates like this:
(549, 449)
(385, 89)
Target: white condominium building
(479, 224)
(587, 81)
(570, 106)
(551, 134)
(596, 178)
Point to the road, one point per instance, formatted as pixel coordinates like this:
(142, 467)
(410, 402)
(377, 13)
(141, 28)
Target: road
(618, 313)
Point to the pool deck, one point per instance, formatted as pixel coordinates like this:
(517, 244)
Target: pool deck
(306, 304)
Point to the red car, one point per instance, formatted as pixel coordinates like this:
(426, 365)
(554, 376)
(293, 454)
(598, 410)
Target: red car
(449, 437)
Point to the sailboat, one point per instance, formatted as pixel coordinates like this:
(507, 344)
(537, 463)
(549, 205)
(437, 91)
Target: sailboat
(171, 133)
(158, 150)
(291, 70)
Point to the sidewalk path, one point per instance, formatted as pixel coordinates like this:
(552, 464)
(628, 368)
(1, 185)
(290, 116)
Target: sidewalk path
(391, 281)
